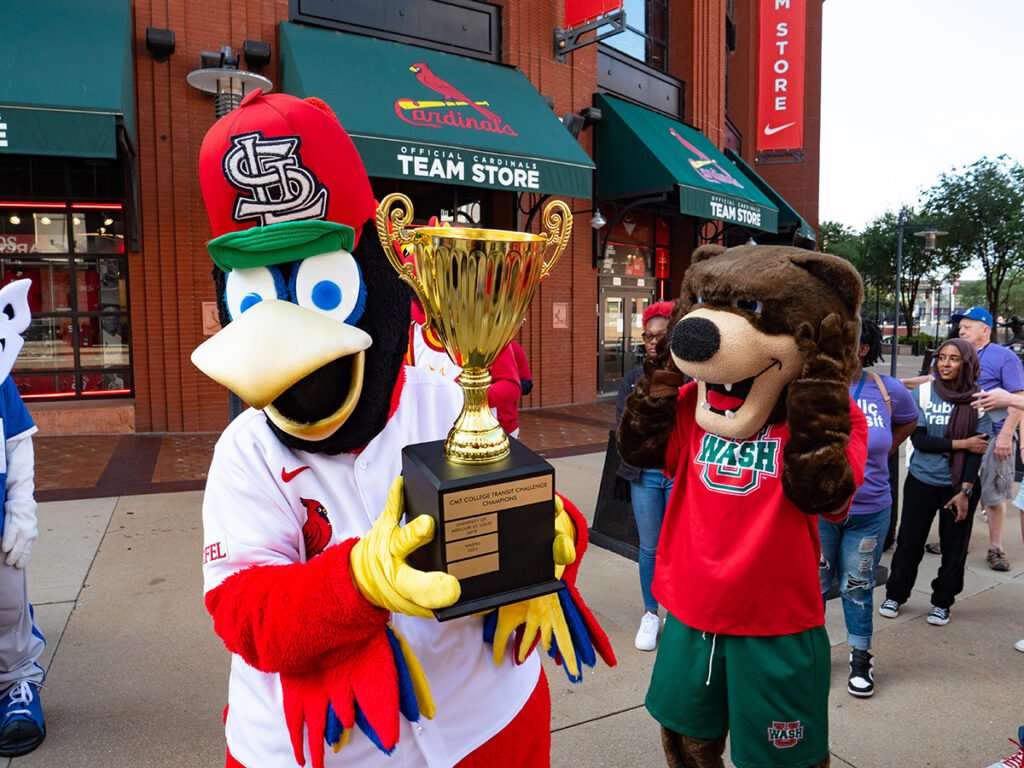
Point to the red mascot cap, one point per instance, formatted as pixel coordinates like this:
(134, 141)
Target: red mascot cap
(282, 181)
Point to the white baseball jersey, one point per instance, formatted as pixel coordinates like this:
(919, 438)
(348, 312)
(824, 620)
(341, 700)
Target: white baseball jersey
(252, 516)
(432, 357)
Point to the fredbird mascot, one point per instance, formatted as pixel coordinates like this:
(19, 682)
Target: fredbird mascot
(336, 656)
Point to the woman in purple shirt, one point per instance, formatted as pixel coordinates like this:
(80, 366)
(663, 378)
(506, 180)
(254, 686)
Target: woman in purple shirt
(850, 549)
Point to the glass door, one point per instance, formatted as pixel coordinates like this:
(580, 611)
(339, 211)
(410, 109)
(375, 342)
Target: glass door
(621, 325)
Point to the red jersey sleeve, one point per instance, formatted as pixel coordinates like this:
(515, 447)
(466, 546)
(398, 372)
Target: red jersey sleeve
(680, 437)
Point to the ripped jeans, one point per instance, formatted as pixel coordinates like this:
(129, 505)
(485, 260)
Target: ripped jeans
(851, 549)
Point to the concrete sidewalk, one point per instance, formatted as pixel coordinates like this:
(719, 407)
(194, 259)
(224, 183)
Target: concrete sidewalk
(137, 678)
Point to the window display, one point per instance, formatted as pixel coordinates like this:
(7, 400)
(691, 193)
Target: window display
(78, 342)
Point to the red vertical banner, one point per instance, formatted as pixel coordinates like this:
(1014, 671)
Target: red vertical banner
(580, 11)
(780, 82)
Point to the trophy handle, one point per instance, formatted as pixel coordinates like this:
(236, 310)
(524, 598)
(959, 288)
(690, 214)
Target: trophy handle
(400, 218)
(557, 221)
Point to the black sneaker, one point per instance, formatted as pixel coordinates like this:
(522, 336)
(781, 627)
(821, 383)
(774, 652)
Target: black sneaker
(862, 674)
(889, 608)
(938, 616)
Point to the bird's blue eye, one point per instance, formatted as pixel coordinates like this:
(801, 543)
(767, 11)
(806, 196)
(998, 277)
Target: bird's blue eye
(331, 284)
(326, 295)
(245, 288)
(701, 300)
(250, 299)
(751, 305)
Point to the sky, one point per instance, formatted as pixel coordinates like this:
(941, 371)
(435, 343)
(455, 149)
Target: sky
(912, 89)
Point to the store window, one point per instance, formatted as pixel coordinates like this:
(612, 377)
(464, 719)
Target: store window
(646, 34)
(638, 248)
(78, 344)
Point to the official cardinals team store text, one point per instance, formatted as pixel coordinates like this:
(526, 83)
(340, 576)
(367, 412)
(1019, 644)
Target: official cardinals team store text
(445, 165)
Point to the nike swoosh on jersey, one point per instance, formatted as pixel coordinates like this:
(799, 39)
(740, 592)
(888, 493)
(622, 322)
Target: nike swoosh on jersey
(289, 476)
(768, 130)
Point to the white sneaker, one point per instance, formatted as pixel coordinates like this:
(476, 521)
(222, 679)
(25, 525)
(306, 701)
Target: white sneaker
(1019, 645)
(647, 635)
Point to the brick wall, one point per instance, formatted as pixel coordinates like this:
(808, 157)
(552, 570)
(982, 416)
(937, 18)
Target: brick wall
(170, 277)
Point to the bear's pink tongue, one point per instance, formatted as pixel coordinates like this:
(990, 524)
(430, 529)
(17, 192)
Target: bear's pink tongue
(723, 402)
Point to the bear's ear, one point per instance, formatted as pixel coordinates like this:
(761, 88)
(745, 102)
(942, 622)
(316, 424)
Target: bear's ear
(705, 252)
(836, 272)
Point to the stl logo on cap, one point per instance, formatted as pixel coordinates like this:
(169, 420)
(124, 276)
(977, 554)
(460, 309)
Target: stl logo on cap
(277, 186)
(278, 159)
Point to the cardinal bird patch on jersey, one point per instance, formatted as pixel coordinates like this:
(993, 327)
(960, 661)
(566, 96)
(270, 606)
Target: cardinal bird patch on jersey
(317, 531)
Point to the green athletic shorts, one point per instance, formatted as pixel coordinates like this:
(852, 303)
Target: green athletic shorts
(769, 693)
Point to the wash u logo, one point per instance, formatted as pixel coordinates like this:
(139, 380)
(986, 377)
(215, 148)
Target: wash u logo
(737, 467)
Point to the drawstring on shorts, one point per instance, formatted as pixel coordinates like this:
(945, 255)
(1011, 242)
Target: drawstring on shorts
(711, 658)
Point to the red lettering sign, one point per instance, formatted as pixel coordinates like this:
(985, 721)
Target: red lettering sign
(780, 91)
(580, 11)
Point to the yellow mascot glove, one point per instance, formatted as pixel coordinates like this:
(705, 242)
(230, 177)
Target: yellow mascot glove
(384, 578)
(565, 538)
(539, 616)
(542, 615)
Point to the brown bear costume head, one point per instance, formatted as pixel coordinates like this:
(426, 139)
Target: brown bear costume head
(742, 324)
(770, 334)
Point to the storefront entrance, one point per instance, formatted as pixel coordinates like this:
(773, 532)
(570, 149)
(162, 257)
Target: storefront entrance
(621, 325)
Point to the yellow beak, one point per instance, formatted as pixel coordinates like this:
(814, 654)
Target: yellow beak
(272, 346)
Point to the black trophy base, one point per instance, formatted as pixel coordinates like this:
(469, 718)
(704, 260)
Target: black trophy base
(494, 524)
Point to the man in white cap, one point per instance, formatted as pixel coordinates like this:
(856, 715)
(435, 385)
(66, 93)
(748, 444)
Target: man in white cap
(1000, 367)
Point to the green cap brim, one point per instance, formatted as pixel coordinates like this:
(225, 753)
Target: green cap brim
(279, 243)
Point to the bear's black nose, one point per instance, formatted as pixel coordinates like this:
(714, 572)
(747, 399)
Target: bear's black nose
(695, 339)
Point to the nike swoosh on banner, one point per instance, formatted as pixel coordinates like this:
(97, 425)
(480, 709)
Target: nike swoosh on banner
(768, 130)
(289, 476)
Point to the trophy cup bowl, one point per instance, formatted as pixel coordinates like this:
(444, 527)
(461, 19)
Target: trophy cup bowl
(475, 286)
(491, 497)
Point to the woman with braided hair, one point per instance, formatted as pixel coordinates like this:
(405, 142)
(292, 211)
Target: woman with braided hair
(851, 548)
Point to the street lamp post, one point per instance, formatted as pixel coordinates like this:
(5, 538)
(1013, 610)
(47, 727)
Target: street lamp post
(896, 311)
(929, 236)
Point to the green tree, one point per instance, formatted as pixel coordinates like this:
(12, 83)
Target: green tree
(840, 240)
(879, 240)
(982, 208)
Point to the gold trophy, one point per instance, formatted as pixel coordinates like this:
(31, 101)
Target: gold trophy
(491, 497)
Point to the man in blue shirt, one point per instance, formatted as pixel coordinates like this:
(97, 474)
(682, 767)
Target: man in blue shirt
(1000, 367)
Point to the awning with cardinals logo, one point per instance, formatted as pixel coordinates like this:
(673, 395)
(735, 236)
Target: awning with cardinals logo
(640, 151)
(416, 113)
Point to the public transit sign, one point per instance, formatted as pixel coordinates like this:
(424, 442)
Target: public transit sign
(780, 89)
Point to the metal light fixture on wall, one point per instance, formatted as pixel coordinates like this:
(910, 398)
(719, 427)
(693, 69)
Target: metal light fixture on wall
(575, 123)
(220, 76)
(160, 43)
(597, 221)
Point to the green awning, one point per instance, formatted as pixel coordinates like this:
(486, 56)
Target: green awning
(415, 113)
(640, 151)
(66, 77)
(789, 219)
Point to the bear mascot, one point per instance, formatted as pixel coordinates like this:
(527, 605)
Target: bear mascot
(763, 440)
(333, 639)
